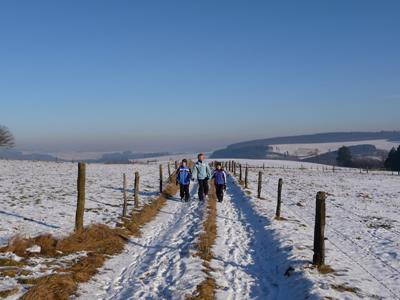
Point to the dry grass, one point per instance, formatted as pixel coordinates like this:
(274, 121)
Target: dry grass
(52, 287)
(17, 245)
(206, 289)
(325, 269)
(7, 262)
(97, 239)
(9, 292)
(345, 288)
(12, 268)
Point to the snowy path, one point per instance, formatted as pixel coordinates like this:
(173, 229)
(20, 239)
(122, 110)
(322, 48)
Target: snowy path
(249, 261)
(157, 265)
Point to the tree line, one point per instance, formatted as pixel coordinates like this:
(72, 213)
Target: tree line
(392, 162)
(6, 137)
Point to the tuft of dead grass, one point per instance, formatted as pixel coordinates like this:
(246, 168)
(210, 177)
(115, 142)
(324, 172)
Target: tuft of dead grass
(97, 239)
(8, 262)
(206, 289)
(345, 288)
(17, 245)
(52, 287)
(9, 292)
(325, 269)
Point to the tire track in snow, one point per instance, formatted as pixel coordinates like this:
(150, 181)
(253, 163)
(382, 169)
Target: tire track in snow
(157, 265)
(249, 260)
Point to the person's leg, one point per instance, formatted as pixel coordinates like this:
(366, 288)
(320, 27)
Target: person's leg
(182, 190)
(201, 189)
(187, 193)
(219, 190)
(206, 188)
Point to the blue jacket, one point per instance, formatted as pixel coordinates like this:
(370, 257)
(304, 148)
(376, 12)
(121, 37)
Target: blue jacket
(183, 175)
(201, 170)
(219, 176)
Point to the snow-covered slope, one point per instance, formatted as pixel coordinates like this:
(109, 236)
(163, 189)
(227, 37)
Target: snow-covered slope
(362, 230)
(40, 197)
(255, 256)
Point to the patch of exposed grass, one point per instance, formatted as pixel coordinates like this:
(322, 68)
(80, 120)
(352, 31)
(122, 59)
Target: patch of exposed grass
(206, 289)
(325, 269)
(98, 240)
(7, 262)
(345, 288)
(9, 292)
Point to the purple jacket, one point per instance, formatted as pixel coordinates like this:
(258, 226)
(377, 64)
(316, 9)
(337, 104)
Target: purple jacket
(219, 176)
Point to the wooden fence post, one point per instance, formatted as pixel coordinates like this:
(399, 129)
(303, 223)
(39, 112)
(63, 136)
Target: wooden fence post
(125, 205)
(240, 174)
(169, 172)
(137, 189)
(176, 165)
(259, 184)
(319, 230)
(246, 177)
(161, 179)
(80, 206)
(263, 166)
(234, 168)
(279, 199)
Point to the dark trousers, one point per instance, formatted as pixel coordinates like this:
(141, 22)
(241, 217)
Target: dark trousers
(203, 188)
(220, 192)
(184, 191)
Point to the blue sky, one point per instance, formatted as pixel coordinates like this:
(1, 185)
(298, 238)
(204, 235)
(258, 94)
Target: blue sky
(194, 75)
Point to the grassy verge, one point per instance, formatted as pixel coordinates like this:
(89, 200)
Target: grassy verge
(206, 289)
(99, 241)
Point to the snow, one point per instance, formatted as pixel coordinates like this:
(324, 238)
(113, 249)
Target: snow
(362, 230)
(312, 149)
(157, 265)
(40, 197)
(255, 256)
(249, 262)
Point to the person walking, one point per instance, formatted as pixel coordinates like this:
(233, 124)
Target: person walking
(183, 175)
(202, 173)
(219, 177)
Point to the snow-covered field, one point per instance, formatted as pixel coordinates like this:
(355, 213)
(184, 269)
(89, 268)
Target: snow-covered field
(307, 150)
(255, 256)
(362, 230)
(40, 197)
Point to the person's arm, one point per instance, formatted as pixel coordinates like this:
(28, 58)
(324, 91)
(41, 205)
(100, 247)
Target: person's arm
(194, 172)
(224, 180)
(208, 170)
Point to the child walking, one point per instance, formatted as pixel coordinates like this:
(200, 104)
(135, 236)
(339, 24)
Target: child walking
(202, 172)
(219, 177)
(183, 176)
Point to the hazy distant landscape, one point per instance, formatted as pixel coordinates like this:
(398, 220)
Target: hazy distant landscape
(199, 150)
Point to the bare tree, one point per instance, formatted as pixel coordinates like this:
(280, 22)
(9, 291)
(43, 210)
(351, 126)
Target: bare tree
(6, 137)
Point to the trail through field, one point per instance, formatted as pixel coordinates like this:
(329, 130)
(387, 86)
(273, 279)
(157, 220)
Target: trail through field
(159, 264)
(249, 262)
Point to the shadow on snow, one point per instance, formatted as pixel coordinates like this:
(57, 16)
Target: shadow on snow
(271, 261)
